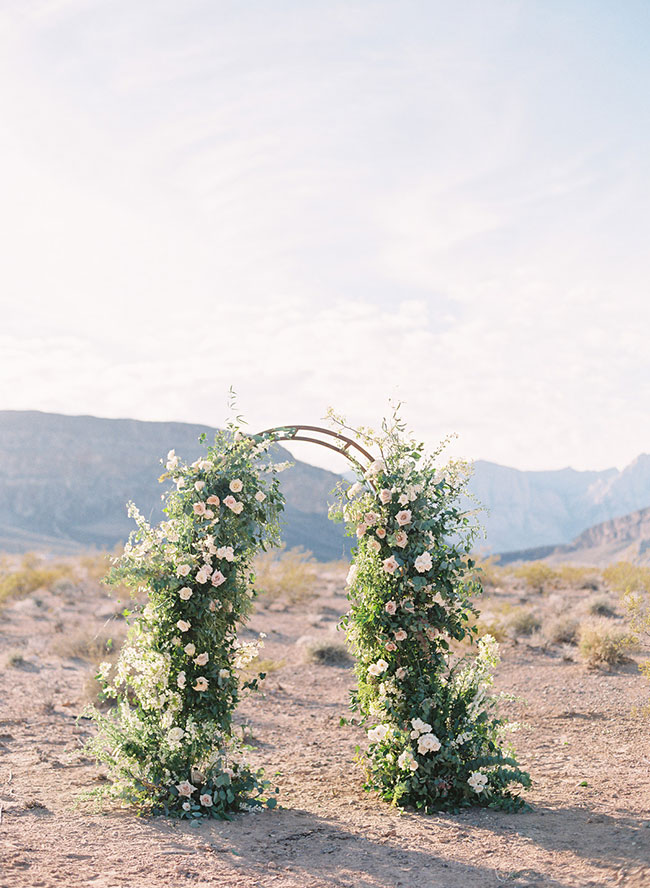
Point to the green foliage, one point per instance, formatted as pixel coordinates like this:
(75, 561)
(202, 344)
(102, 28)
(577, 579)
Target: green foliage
(169, 743)
(435, 739)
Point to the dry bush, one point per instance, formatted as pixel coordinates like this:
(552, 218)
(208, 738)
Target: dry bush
(537, 575)
(488, 572)
(33, 574)
(14, 659)
(521, 621)
(580, 577)
(602, 643)
(287, 575)
(84, 646)
(562, 630)
(327, 653)
(626, 577)
(601, 606)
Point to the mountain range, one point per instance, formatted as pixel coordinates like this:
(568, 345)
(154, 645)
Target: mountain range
(65, 480)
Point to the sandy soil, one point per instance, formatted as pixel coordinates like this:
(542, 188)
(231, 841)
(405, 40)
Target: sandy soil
(577, 729)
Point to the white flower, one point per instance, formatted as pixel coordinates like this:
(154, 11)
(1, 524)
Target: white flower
(176, 640)
(375, 468)
(190, 649)
(181, 680)
(201, 683)
(175, 735)
(428, 743)
(354, 490)
(199, 485)
(390, 565)
(185, 593)
(205, 800)
(180, 484)
(199, 509)
(377, 734)
(378, 667)
(400, 673)
(224, 673)
(187, 806)
(226, 552)
(172, 460)
(202, 659)
(361, 529)
(403, 517)
(183, 570)
(374, 545)
(236, 485)
(406, 760)
(385, 496)
(423, 562)
(203, 465)
(419, 727)
(183, 625)
(218, 578)
(203, 575)
(185, 788)
(403, 499)
(260, 496)
(477, 781)
(352, 575)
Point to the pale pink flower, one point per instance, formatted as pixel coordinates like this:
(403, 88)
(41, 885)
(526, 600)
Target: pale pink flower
(377, 668)
(205, 799)
(381, 532)
(400, 673)
(371, 518)
(401, 539)
(183, 570)
(423, 562)
(403, 499)
(201, 684)
(209, 513)
(185, 593)
(390, 646)
(236, 485)
(212, 606)
(374, 545)
(199, 508)
(184, 626)
(213, 500)
(185, 788)
(181, 680)
(390, 607)
(400, 635)
(390, 565)
(203, 575)
(226, 552)
(260, 496)
(385, 496)
(190, 649)
(238, 508)
(229, 501)
(403, 517)
(218, 578)
(199, 485)
(202, 659)
(361, 529)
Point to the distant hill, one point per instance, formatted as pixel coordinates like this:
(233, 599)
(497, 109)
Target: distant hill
(65, 480)
(548, 508)
(620, 539)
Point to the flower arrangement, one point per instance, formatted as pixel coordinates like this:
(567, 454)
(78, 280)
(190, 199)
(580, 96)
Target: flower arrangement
(435, 739)
(169, 743)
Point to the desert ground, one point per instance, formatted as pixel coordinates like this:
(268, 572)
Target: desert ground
(586, 748)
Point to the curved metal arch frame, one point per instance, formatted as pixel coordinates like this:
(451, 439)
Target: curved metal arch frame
(290, 433)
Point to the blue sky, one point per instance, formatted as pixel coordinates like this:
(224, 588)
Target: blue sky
(332, 203)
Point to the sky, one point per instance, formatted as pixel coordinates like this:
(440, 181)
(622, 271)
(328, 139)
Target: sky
(332, 203)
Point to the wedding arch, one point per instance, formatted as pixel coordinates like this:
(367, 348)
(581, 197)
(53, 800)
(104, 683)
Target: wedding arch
(435, 740)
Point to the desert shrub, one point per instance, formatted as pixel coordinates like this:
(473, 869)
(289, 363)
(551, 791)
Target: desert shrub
(288, 575)
(327, 653)
(602, 643)
(489, 573)
(626, 577)
(562, 630)
(522, 621)
(30, 576)
(537, 575)
(14, 659)
(601, 606)
(85, 646)
(579, 577)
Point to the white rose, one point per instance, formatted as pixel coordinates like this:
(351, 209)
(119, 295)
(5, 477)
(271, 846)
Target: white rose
(187, 806)
(428, 743)
(218, 578)
(175, 735)
(374, 545)
(199, 485)
(199, 508)
(185, 593)
(203, 575)
(181, 680)
(190, 649)
(377, 734)
(477, 781)
(375, 468)
(183, 570)
(378, 667)
(172, 460)
(423, 562)
(226, 552)
(202, 659)
(403, 517)
(205, 800)
(385, 496)
(405, 760)
(185, 788)
(260, 496)
(354, 490)
(352, 575)
(403, 499)
(236, 485)
(183, 625)
(390, 565)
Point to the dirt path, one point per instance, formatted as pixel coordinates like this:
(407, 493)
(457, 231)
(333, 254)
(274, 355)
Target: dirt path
(577, 730)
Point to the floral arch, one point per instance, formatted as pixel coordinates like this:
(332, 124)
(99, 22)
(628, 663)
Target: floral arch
(435, 741)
